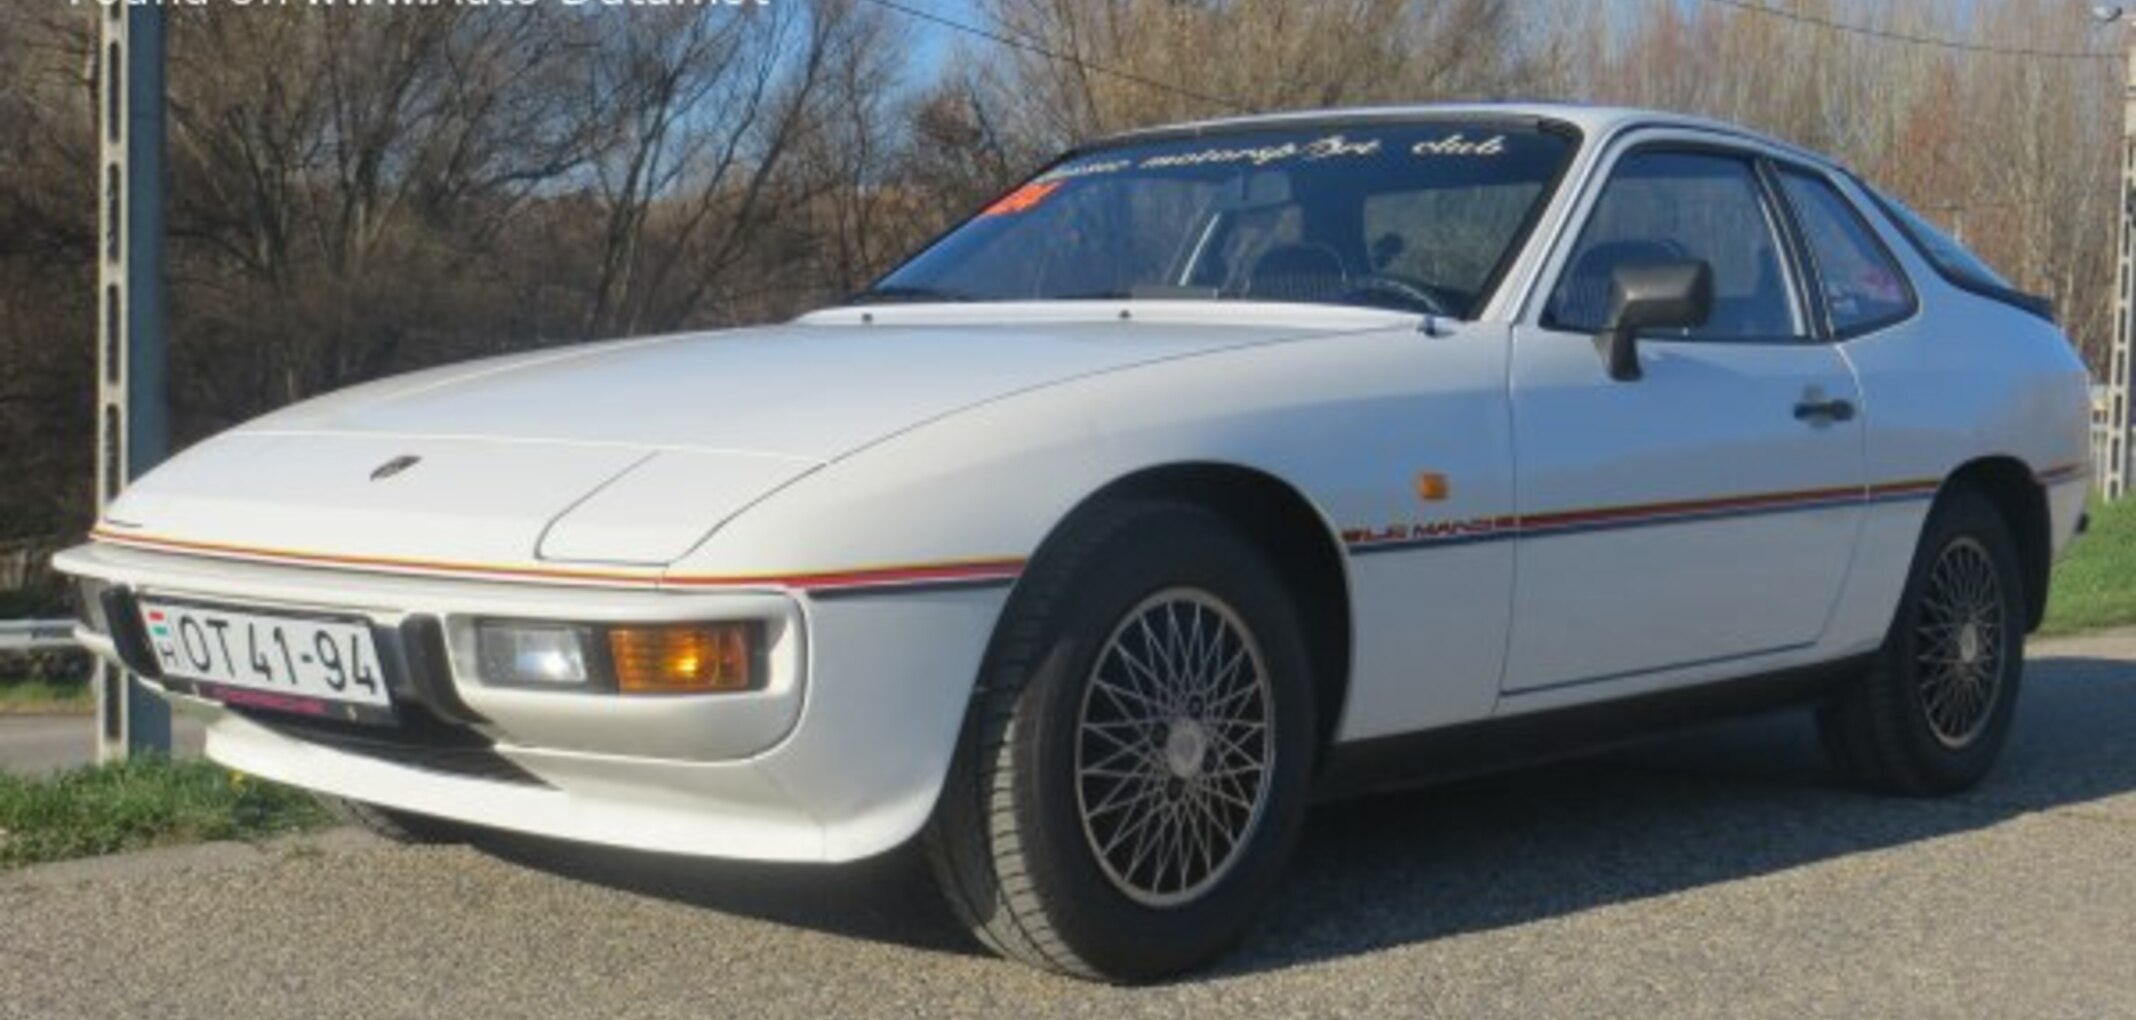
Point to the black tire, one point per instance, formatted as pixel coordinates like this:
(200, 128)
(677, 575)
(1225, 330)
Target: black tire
(398, 826)
(1013, 848)
(1899, 728)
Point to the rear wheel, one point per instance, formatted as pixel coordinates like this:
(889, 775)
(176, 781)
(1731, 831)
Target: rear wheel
(1932, 715)
(1133, 773)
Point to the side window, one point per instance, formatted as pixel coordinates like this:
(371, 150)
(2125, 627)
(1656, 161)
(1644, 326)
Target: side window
(1863, 287)
(1672, 206)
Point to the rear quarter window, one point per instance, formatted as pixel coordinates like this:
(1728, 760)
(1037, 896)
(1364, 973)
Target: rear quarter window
(1862, 287)
(1954, 261)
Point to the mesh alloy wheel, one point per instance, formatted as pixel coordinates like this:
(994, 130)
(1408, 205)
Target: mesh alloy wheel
(1135, 770)
(1959, 643)
(1174, 748)
(1930, 713)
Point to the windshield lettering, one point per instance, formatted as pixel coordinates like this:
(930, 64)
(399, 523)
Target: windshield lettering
(1458, 145)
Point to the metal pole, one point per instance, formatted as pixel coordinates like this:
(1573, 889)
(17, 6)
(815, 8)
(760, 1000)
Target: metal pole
(2114, 473)
(133, 396)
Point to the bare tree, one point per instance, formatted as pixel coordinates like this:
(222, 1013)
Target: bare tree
(1108, 65)
(649, 74)
(336, 169)
(48, 248)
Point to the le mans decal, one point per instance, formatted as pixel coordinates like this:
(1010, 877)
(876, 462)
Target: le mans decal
(1428, 531)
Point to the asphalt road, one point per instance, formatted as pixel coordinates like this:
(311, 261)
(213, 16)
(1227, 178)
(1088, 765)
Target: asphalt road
(1716, 874)
(32, 744)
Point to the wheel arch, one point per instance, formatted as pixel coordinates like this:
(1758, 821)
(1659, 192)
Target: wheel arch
(2022, 501)
(1288, 528)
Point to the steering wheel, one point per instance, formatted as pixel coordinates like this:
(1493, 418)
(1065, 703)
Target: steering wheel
(1412, 296)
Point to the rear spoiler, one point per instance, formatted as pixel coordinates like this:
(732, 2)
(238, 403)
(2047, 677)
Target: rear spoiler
(2034, 303)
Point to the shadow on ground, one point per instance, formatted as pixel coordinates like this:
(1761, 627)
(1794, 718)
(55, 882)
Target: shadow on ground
(1716, 805)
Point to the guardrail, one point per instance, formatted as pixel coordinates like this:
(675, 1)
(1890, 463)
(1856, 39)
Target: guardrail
(36, 635)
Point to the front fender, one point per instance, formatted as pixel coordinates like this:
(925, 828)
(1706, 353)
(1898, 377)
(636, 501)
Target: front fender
(1349, 422)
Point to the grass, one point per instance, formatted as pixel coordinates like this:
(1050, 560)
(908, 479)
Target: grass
(142, 803)
(2095, 585)
(46, 697)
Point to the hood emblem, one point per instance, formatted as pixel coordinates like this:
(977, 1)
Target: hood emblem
(394, 467)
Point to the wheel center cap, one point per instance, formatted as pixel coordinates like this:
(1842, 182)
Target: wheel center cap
(1969, 643)
(1184, 748)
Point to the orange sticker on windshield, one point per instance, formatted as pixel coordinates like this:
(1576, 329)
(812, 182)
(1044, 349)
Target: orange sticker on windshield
(1022, 199)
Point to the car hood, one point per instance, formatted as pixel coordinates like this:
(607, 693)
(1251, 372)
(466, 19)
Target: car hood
(631, 452)
(810, 389)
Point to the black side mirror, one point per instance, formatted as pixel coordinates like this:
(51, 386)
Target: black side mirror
(1659, 295)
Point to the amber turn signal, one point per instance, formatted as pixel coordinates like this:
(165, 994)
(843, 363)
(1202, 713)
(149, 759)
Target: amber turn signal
(1433, 486)
(686, 659)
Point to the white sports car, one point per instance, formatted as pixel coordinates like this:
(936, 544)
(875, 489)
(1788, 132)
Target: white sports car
(1215, 469)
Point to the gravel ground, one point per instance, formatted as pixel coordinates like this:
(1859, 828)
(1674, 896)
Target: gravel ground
(1716, 874)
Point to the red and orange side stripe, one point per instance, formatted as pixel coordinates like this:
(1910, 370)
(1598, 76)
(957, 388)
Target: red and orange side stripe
(993, 570)
(998, 570)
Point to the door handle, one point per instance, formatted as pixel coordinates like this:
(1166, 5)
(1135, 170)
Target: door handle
(1835, 409)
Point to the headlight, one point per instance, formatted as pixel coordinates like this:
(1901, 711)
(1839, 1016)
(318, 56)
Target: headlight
(532, 654)
(687, 658)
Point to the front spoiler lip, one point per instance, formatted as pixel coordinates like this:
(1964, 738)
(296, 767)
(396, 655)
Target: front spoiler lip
(719, 809)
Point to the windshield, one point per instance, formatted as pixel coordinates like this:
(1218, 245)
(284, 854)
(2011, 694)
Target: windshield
(1415, 217)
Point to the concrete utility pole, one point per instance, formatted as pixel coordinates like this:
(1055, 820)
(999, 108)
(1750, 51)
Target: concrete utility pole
(2114, 452)
(133, 394)
(2114, 481)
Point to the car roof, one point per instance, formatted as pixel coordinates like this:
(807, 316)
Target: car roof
(1595, 122)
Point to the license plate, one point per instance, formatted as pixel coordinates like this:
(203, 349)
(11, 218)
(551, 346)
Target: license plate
(309, 665)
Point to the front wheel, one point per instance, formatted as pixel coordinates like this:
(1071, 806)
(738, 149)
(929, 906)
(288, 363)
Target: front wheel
(1932, 714)
(1134, 772)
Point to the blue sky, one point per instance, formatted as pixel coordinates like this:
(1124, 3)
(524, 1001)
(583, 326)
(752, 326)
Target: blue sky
(936, 43)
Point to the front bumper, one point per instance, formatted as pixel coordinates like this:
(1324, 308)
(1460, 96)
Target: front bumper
(840, 756)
